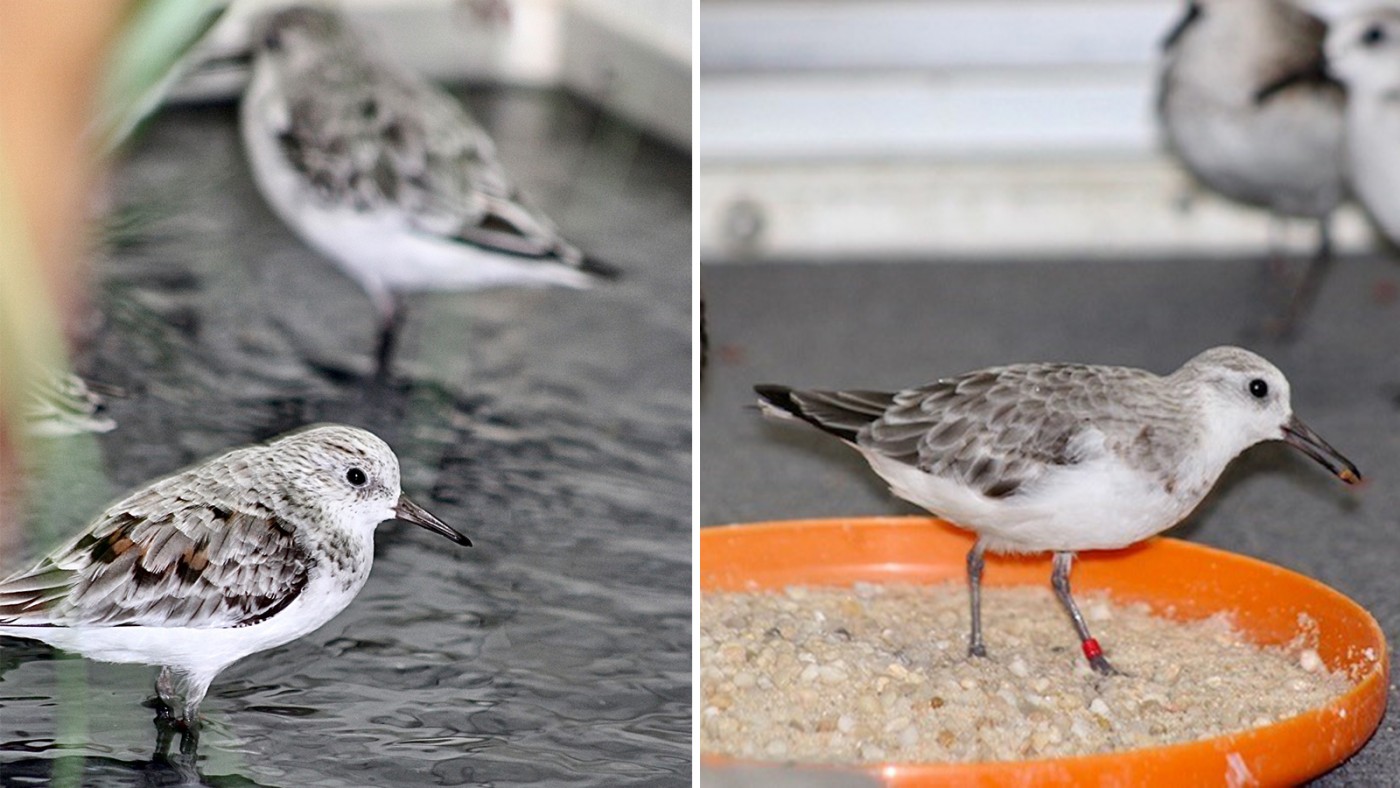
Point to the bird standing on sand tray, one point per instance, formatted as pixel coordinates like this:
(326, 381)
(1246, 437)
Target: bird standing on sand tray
(1063, 457)
(1248, 108)
(386, 174)
(238, 554)
(1363, 50)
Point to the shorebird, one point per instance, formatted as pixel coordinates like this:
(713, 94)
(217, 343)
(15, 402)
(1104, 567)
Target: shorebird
(240, 553)
(1247, 107)
(1063, 457)
(1363, 50)
(386, 174)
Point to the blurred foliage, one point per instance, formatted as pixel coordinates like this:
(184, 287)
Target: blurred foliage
(146, 60)
(147, 56)
(29, 324)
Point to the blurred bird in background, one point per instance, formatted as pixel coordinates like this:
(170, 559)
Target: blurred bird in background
(388, 175)
(1249, 109)
(1363, 50)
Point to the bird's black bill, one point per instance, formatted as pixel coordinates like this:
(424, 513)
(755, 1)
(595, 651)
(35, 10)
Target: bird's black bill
(1298, 435)
(410, 512)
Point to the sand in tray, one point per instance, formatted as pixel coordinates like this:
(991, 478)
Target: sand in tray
(880, 673)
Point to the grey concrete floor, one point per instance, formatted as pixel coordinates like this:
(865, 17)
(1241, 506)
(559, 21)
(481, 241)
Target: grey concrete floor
(892, 325)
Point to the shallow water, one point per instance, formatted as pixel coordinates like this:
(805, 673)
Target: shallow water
(551, 426)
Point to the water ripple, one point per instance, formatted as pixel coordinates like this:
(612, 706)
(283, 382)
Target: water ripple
(551, 426)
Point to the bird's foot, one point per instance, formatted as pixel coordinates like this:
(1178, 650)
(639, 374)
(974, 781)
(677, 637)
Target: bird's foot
(976, 650)
(166, 718)
(1102, 667)
(1097, 661)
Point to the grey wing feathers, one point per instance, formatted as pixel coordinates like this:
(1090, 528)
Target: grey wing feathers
(997, 430)
(199, 566)
(367, 132)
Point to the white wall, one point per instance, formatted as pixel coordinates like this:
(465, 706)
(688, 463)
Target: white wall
(970, 128)
(631, 56)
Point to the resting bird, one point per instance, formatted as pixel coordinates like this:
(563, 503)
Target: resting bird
(1247, 107)
(386, 174)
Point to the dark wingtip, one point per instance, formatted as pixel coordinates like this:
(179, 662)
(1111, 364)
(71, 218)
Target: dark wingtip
(779, 397)
(1314, 73)
(600, 269)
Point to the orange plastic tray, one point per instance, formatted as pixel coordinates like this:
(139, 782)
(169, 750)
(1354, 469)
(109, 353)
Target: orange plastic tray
(1175, 578)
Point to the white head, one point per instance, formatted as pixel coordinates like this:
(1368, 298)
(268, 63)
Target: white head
(350, 473)
(296, 38)
(1363, 50)
(1246, 400)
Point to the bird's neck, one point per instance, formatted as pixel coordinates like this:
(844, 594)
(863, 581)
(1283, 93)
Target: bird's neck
(346, 555)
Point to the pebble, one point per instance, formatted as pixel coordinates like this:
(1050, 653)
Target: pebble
(1309, 660)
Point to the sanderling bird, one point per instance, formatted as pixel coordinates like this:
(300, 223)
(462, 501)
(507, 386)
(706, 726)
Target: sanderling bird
(1246, 105)
(238, 554)
(1363, 50)
(58, 404)
(1063, 457)
(386, 174)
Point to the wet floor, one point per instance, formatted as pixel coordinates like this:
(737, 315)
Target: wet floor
(551, 426)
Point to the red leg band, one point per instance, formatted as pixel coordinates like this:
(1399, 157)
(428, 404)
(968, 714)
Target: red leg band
(1092, 650)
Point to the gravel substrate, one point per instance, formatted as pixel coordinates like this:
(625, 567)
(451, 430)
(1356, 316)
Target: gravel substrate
(880, 673)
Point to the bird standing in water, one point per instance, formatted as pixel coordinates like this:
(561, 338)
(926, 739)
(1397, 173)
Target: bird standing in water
(386, 174)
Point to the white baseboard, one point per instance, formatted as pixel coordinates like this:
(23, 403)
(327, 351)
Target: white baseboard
(632, 56)
(973, 210)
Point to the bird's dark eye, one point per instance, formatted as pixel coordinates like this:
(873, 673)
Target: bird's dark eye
(356, 477)
(1373, 35)
(1258, 388)
(272, 40)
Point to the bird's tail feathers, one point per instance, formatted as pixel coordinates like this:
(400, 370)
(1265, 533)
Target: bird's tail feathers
(841, 413)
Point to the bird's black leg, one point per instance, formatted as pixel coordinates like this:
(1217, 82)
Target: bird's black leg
(975, 646)
(164, 733)
(165, 720)
(189, 737)
(390, 322)
(1303, 294)
(165, 690)
(1059, 578)
(166, 700)
(1307, 290)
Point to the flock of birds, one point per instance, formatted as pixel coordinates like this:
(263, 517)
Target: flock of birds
(1265, 104)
